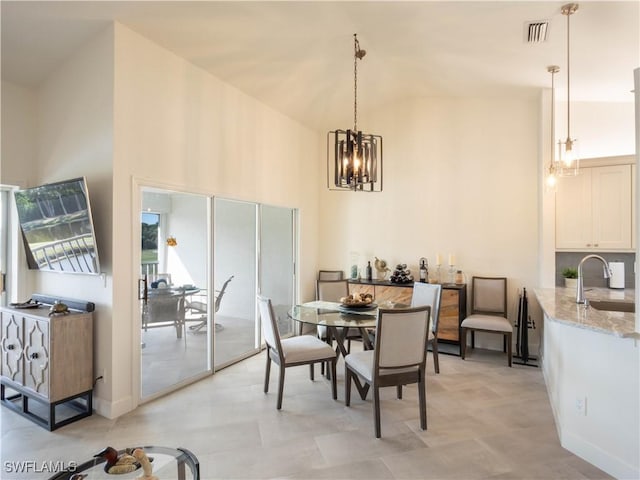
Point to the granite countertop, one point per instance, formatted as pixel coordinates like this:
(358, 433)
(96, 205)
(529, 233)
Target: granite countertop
(560, 305)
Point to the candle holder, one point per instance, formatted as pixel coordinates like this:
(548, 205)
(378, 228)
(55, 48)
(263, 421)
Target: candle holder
(438, 274)
(452, 274)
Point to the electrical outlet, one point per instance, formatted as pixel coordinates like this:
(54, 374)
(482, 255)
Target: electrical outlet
(581, 406)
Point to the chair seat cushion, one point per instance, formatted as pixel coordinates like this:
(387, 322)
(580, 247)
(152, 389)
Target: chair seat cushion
(362, 364)
(305, 348)
(487, 322)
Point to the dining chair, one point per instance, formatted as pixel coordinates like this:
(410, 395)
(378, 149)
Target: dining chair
(399, 358)
(333, 291)
(488, 313)
(330, 275)
(293, 351)
(429, 294)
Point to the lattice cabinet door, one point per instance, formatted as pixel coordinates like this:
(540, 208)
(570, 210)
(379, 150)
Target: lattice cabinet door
(11, 347)
(36, 355)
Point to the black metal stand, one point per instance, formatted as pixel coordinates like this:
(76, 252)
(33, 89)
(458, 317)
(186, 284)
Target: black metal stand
(19, 403)
(523, 325)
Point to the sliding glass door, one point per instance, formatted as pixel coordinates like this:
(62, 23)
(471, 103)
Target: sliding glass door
(254, 251)
(235, 259)
(198, 284)
(277, 261)
(174, 290)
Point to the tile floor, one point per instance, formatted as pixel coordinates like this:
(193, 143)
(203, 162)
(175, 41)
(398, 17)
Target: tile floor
(485, 420)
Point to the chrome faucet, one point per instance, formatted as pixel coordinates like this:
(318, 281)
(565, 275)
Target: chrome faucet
(580, 288)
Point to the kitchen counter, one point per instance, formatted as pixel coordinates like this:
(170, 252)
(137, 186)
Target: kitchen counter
(559, 305)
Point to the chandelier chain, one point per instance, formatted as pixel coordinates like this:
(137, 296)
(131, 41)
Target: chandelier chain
(356, 48)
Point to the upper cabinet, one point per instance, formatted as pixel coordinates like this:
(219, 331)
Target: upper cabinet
(594, 209)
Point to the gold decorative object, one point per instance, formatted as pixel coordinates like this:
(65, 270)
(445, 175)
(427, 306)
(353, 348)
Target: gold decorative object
(171, 241)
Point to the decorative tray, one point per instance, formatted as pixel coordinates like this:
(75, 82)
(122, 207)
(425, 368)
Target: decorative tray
(28, 304)
(358, 306)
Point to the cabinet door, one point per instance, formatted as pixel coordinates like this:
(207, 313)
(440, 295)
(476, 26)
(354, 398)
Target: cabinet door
(611, 206)
(573, 211)
(11, 347)
(449, 322)
(393, 294)
(36, 355)
(634, 206)
(361, 288)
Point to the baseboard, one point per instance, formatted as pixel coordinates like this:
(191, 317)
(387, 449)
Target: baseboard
(596, 456)
(112, 410)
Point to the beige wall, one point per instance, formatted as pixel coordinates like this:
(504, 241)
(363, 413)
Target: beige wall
(460, 177)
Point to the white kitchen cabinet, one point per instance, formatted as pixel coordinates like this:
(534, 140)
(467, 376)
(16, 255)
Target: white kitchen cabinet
(594, 209)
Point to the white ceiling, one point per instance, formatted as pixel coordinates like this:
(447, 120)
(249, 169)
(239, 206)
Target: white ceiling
(298, 56)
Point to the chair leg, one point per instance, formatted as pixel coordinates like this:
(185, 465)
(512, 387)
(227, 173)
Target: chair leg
(399, 392)
(463, 342)
(311, 371)
(267, 372)
(281, 386)
(423, 401)
(376, 410)
(334, 380)
(347, 386)
(508, 340)
(436, 363)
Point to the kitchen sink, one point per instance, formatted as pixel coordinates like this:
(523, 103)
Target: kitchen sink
(613, 306)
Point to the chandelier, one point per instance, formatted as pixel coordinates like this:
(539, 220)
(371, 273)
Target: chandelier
(357, 156)
(568, 159)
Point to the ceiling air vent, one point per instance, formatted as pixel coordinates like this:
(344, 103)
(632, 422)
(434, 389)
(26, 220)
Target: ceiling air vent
(536, 32)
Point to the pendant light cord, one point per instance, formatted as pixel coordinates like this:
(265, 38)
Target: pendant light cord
(568, 81)
(358, 53)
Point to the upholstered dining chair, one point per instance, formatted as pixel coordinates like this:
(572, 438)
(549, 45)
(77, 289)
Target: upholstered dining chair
(398, 358)
(488, 312)
(293, 351)
(330, 275)
(429, 294)
(332, 291)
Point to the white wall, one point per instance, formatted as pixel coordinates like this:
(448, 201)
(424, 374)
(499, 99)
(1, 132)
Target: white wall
(603, 129)
(460, 177)
(176, 125)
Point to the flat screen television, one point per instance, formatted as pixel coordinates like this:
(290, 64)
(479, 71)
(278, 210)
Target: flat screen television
(57, 227)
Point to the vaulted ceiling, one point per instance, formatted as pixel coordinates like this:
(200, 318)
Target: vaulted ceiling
(297, 57)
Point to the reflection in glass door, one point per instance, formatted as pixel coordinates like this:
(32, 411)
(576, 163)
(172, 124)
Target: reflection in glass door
(174, 290)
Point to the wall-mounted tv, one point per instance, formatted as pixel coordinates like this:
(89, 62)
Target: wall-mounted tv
(57, 227)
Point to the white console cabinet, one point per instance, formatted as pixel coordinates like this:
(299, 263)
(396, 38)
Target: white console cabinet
(47, 360)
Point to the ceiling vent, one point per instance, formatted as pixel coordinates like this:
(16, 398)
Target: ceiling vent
(536, 32)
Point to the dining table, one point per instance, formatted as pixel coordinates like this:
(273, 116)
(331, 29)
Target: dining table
(338, 319)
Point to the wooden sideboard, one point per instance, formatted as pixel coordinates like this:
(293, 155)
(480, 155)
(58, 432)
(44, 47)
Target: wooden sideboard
(48, 360)
(453, 304)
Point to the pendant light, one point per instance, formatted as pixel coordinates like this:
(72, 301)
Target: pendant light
(553, 171)
(568, 158)
(357, 156)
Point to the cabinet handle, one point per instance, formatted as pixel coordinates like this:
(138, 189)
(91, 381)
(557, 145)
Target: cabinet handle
(595, 244)
(10, 347)
(34, 355)
(588, 244)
